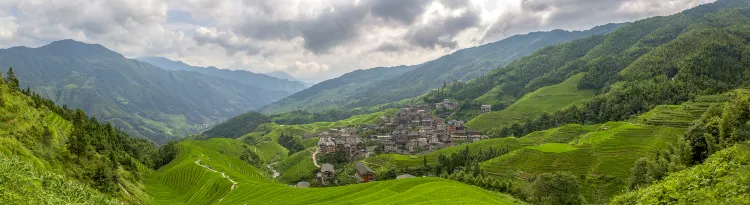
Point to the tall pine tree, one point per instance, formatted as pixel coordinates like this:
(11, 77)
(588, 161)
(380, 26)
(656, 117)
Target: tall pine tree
(12, 79)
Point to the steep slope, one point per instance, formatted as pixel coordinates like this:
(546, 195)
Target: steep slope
(263, 81)
(53, 155)
(355, 90)
(141, 99)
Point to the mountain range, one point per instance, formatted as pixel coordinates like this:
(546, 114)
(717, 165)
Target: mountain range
(370, 87)
(144, 100)
(284, 83)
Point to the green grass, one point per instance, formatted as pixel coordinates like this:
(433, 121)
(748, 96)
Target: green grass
(543, 100)
(23, 183)
(553, 147)
(184, 182)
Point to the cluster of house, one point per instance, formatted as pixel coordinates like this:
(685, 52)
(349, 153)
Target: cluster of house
(447, 104)
(327, 174)
(414, 130)
(344, 139)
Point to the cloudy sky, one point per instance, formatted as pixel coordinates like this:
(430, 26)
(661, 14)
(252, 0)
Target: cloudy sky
(312, 40)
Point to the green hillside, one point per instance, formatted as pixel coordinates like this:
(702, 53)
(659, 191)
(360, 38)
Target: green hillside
(378, 86)
(139, 98)
(723, 179)
(594, 156)
(186, 181)
(651, 62)
(296, 167)
(53, 155)
(543, 100)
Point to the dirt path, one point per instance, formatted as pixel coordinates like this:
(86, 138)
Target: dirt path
(234, 184)
(276, 174)
(315, 161)
(123, 189)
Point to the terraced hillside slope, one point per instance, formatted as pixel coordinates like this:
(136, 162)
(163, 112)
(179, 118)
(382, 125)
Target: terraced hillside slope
(139, 98)
(602, 159)
(534, 104)
(377, 86)
(204, 176)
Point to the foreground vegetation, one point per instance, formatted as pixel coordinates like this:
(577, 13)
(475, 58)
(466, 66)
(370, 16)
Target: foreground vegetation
(186, 181)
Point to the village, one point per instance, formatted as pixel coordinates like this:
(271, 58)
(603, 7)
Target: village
(411, 130)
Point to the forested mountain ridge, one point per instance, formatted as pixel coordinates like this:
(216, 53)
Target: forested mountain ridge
(355, 90)
(263, 81)
(141, 99)
(659, 60)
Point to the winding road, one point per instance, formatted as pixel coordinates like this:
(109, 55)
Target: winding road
(275, 173)
(315, 161)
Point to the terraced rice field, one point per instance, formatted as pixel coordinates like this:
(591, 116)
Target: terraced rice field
(270, 151)
(185, 182)
(296, 166)
(681, 116)
(546, 99)
(601, 159)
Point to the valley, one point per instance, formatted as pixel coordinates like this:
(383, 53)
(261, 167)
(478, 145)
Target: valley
(654, 111)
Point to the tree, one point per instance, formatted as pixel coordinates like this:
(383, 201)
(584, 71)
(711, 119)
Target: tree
(12, 79)
(556, 188)
(165, 154)
(640, 176)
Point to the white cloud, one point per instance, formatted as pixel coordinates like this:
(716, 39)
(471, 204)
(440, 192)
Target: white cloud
(315, 39)
(8, 28)
(307, 68)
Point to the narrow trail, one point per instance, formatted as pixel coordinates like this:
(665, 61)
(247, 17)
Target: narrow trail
(123, 189)
(276, 174)
(234, 184)
(315, 161)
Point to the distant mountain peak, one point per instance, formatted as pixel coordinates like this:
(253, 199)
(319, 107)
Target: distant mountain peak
(281, 75)
(70, 47)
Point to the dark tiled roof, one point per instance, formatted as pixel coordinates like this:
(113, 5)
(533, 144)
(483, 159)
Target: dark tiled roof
(363, 169)
(327, 168)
